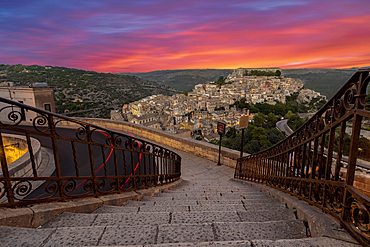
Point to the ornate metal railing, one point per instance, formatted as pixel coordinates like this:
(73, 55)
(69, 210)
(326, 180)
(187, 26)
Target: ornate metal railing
(87, 160)
(308, 163)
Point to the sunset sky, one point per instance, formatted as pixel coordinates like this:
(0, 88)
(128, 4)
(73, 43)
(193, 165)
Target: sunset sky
(146, 35)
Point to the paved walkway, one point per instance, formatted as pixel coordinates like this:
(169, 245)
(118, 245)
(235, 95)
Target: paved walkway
(207, 209)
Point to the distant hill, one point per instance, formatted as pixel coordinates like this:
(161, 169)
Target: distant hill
(183, 79)
(99, 92)
(325, 81)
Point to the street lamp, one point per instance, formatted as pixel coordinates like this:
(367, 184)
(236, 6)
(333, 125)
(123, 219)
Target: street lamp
(221, 131)
(243, 122)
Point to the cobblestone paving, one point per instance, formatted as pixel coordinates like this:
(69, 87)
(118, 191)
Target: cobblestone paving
(207, 209)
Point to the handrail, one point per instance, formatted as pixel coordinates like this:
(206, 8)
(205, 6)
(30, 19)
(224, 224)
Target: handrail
(89, 160)
(303, 164)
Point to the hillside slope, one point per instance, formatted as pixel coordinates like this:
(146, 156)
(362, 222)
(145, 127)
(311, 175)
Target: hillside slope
(98, 92)
(183, 79)
(325, 81)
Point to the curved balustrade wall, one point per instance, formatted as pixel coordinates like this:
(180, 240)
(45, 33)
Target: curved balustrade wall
(199, 148)
(89, 160)
(308, 163)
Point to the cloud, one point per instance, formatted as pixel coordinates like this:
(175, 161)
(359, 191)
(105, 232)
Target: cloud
(115, 36)
(267, 5)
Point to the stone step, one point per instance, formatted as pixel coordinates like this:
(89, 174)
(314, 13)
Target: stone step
(166, 208)
(151, 201)
(217, 207)
(176, 202)
(115, 209)
(203, 193)
(218, 188)
(204, 217)
(20, 237)
(117, 217)
(232, 206)
(210, 197)
(320, 241)
(177, 233)
(196, 205)
(222, 189)
(238, 201)
(316, 242)
(238, 243)
(150, 236)
(213, 206)
(259, 215)
(67, 219)
(231, 216)
(271, 230)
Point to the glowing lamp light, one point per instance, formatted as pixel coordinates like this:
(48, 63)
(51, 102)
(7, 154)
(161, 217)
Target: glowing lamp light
(12, 152)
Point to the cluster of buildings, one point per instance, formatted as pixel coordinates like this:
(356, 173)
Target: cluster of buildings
(196, 114)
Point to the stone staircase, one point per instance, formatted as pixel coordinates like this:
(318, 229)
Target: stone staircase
(206, 209)
(203, 213)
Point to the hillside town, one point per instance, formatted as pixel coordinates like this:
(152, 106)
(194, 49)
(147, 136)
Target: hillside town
(195, 114)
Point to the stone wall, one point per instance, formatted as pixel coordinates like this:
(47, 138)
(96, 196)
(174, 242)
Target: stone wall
(201, 149)
(361, 183)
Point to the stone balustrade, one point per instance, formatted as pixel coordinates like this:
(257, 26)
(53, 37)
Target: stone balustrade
(199, 148)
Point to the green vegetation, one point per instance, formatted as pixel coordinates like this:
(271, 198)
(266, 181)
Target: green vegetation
(183, 79)
(221, 81)
(294, 121)
(257, 72)
(279, 108)
(262, 132)
(87, 93)
(221, 108)
(258, 136)
(364, 145)
(325, 81)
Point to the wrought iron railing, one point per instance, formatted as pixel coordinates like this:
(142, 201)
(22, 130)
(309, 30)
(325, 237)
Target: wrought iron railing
(308, 163)
(88, 160)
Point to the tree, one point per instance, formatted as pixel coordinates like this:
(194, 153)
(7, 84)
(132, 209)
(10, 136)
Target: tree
(220, 80)
(271, 120)
(231, 132)
(289, 114)
(295, 122)
(259, 119)
(221, 108)
(278, 73)
(252, 147)
(185, 92)
(274, 136)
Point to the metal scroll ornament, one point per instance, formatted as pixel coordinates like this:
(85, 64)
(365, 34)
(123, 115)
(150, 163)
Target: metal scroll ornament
(14, 116)
(360, 216)
(69, 186)
(22, 189)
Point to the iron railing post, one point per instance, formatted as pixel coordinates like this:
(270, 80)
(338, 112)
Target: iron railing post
(353, 149)
(91, 159)
(56, 157)
(340, 151)
(329, 156)
(116, 170)
(4, 167)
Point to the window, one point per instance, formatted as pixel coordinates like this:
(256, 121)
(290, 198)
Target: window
(47, 107)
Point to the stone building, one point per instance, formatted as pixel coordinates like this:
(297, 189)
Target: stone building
(39, 95)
